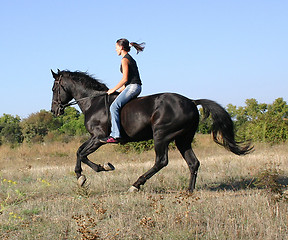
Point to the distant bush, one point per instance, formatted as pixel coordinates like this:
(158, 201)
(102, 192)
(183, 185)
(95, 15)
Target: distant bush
(261, 122)
(42, 126)
(205, 124)
(10, 130)
(74, 127)
(37, 125)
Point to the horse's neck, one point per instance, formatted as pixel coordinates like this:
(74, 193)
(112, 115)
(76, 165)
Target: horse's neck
(83, 95)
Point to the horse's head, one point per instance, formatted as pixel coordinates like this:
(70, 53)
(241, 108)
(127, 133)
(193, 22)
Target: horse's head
(61, 95)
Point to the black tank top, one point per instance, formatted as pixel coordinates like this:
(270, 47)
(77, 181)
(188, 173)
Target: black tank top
(133, 73)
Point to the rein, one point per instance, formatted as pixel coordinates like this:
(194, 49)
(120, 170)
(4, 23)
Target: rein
(82, 99)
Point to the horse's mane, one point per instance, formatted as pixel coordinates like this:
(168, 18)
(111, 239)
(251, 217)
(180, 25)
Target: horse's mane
(86, 79)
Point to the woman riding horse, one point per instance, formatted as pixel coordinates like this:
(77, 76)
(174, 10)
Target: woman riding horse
(163, 117)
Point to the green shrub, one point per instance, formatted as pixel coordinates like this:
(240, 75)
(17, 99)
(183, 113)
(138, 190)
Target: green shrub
(10, 130)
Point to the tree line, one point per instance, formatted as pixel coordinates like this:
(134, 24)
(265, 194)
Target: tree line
(259, 122)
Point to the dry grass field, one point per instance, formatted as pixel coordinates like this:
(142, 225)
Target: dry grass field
(235, 198)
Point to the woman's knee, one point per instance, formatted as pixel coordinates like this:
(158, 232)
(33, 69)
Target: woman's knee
(114, 107)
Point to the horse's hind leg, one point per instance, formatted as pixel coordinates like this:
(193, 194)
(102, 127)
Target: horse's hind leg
(161, 161)
(184, 146)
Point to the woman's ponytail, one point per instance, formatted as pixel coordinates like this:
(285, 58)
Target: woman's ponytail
(138, 46)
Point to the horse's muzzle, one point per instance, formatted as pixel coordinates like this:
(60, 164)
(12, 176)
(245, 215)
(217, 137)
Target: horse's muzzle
(57, 111)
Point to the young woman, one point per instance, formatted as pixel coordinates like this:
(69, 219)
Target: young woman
(129, 86)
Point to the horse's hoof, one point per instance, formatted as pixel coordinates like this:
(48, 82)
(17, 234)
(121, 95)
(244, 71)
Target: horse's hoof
(81, 180)
(108, 167)
(133, 189)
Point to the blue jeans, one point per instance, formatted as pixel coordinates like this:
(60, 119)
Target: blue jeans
(130, 91)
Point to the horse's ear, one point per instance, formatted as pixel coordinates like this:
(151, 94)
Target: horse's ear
(54, 74)
(58, 70)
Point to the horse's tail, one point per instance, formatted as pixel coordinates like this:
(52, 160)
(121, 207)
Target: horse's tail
(223, 128)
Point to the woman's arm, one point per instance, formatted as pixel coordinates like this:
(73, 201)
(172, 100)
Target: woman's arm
(121, 84)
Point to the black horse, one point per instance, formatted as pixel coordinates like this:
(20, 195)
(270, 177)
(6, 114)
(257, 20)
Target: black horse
(163, 117)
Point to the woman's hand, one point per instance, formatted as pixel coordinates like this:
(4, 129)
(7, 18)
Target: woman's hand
(110, 91)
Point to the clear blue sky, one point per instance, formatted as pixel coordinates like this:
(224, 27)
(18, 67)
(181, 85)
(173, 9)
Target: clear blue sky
(223, 50)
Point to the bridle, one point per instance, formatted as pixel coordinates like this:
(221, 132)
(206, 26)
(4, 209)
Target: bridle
(58, 99)
(61, 106)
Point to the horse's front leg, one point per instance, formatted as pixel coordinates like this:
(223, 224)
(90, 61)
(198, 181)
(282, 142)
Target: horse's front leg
(84, 150)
